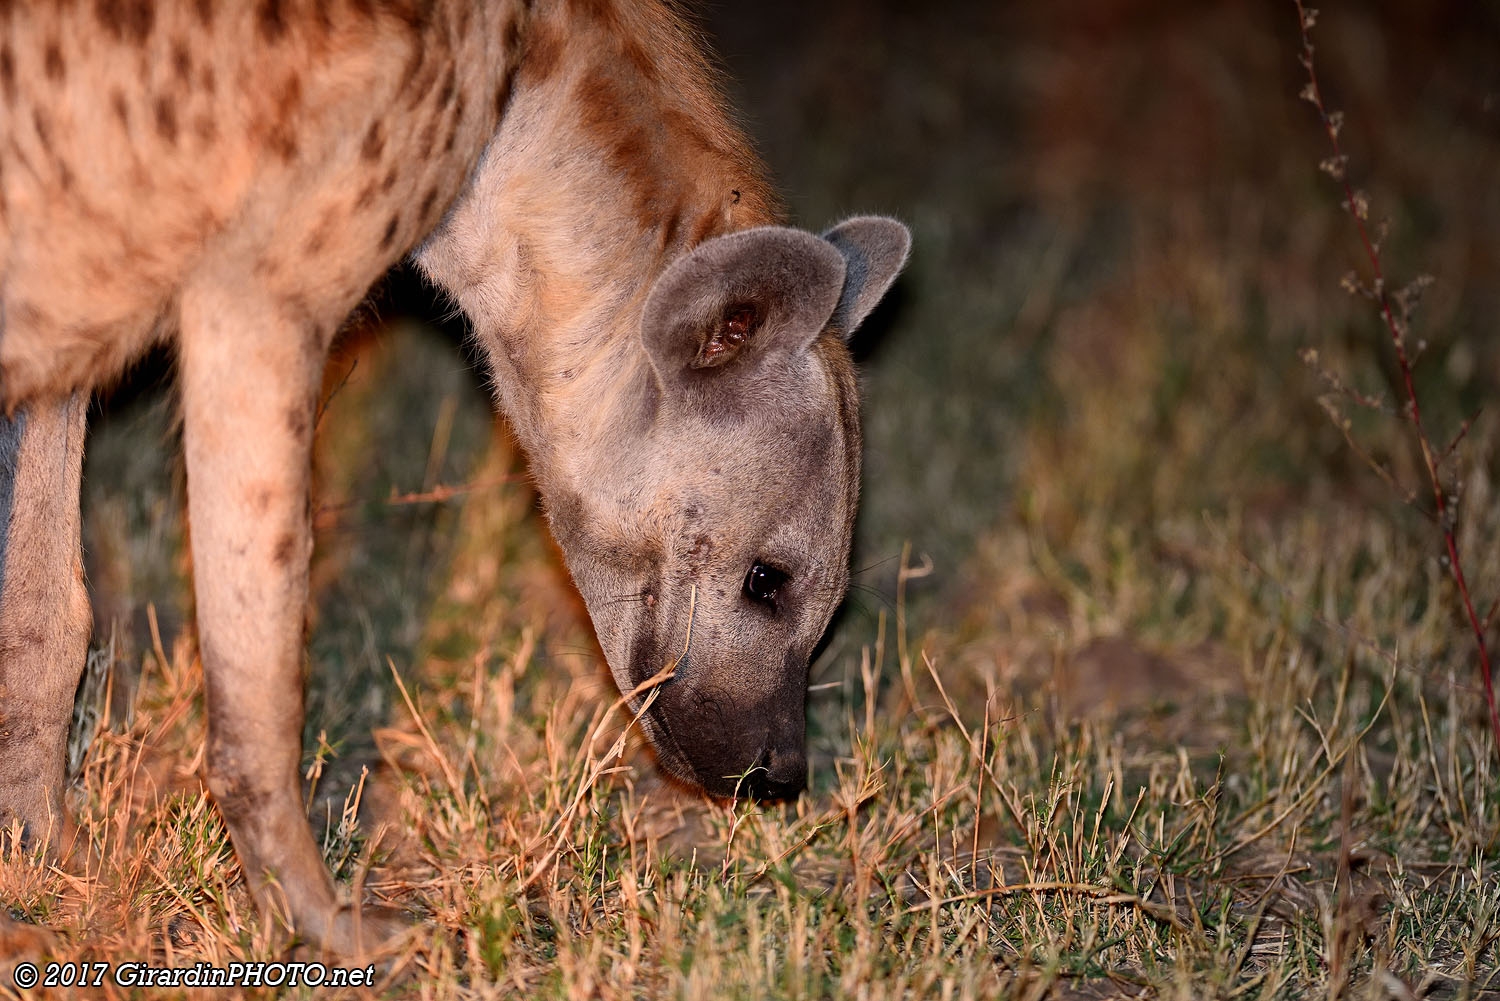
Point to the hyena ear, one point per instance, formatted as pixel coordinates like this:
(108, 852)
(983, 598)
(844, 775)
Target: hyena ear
(875, 250)
(738, 300)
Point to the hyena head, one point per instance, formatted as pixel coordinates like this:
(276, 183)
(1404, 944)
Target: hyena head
(716, 537)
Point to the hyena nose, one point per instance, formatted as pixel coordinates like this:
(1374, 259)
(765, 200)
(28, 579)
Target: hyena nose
(777, 775)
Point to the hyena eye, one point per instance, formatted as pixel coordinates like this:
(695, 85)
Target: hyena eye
(762, 583)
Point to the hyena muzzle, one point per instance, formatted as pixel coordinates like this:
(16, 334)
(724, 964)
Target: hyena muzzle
(231, 177)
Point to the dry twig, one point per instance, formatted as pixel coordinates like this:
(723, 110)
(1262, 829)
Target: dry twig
(1395, 310)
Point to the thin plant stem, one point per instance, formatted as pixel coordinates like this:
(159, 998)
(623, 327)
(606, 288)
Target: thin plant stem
(1447, 524)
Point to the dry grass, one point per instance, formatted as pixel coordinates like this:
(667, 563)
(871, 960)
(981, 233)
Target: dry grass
(1323, 821)
(1183, 709)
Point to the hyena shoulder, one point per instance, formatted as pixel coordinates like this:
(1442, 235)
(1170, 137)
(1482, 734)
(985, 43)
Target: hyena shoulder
(306, 145)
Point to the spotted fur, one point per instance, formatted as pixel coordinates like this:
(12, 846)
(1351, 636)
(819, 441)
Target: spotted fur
(230, 177)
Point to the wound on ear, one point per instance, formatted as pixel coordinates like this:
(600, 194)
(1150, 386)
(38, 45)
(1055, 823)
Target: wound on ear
(738, 322)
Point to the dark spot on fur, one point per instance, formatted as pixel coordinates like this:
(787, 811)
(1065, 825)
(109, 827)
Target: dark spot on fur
(286, 548)
(127, 20)
(544, 50)
(8, 72)
(502, 93)
(121, 109)
(282, 136)
(414, 64)
(52, 62)
(510, 39)
(291, 93)
(389, 180)
(42, 126)
(205, 11)
(204, 128)
(271, 20)
(603, 11)
(318, 238)
(314, 338)
(390, 231)
(416, 14)
(421, 72)
(374, 143)
(707, 225)
(639, 157)
(424, 212)
(297, 309)
(316, 241)
(21, 158)
(640, 59)
(182, 61)
(450, 84)
(686, 133)
(324, 16)
(166, 119)
(296, 417)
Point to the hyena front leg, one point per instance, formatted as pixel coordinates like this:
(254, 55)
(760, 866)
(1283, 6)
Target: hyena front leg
(249, 375)
(44, 613)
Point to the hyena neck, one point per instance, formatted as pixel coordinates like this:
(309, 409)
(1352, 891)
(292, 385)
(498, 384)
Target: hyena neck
(615, 155)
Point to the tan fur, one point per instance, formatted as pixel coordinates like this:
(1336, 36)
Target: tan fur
(233, 176)
(47, 616)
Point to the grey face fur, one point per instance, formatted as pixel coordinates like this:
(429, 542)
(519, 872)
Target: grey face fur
(717, 536)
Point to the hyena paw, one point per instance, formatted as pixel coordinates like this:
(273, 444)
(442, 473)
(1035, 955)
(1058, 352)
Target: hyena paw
(368, 931)
(34, 824)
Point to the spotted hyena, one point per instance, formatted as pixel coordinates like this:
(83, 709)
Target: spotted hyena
(231, 176)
